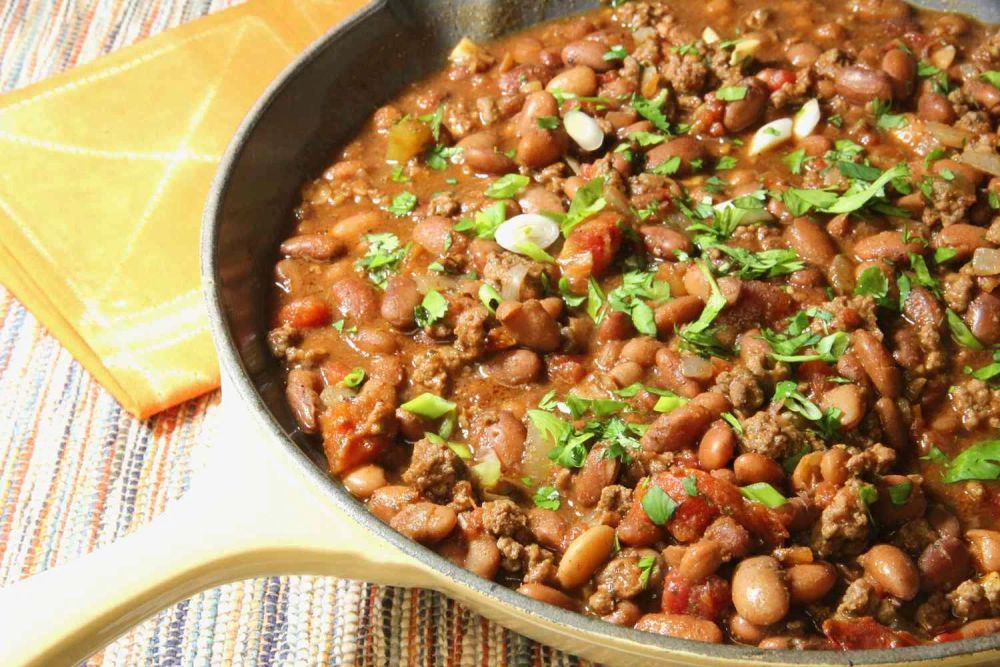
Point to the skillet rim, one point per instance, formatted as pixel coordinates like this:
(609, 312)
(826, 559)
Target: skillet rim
(232, 366)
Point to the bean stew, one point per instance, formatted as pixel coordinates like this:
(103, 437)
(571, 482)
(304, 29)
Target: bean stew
(681, 315)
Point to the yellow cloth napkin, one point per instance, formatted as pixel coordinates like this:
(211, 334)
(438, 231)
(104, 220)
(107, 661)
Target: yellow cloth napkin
(104, 178)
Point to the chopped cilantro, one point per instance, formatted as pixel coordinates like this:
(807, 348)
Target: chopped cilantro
(630, 297)
(403, 204)
(431, 309)
(398, 176)
(438, 156)
(726, 162)
(587, 201)
(547, 498)
(651, 110)
(382, 257)
(547, 122)
(616, 52)
(657, 505)
(981, 461)
(507, 186)
(434, 120)
(485, 222)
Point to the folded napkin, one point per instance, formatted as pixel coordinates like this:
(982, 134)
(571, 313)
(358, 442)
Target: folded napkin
(104, 178)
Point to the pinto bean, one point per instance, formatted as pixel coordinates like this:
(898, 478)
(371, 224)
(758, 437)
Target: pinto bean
(944, 563)
(626, 373)
(483, 557)
(985, 548)
(802, 54)
(885, 246)
(598, 471)
(877, 362)
(741, 114)
(540, 200)
(678, 429)
(537, 104)
(539, 148)
(810, 582)
(760, 593)
(399, 302)
(530, 325)
(808, 472)
(934, 107)
(364, 481)
(515, 367)
(548, 527)
(893, 424)
(964, 238)
(502, 432)
(436, 235)
(616, 325)
(717, 446)
(980, 628)
(641, 350)
(848, 399)
(546, 594)
(922, 308)
(986, 95)
(983, 318)
(479, 151)
(387, 501)
(425, 522)
(626, 614)
(682, 626)
(664, 242)
(860, 85)
(302, 392)
(356, 299)
(753, 467)
(901, 68)
(833, 467)
(700, 560)
(811, 242)
(319, 247)
(586, 52)
(580, 80)
(687, 148)
(584, 555)
(677, 311)
(892, 571)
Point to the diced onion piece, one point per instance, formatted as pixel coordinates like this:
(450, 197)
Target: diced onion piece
(743, 49)
(511, 282)
(986, 261)
(750, 216)
(465, 51)
(948, 135)
(527, 227)
(806, 119)
(981, 160)
(488, 470)
(943, 58)
(771, 135)
(695, 367)
(583, 129)
(644, 33)
(709, 36)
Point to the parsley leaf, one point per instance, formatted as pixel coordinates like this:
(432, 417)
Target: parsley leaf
(872, 282)
(787, 393)
(795, 160)
(651, 110)
(630, 296)
(647, 138)
(884, 119)
(726, 162)
(431, 309)
(763, 264)
(398, 176)
(403, 204)
(485, 222)
(438, 156)
(434, 120)
(657, 505)
(616, 52)
(848, 203)
(507, 186)
(569, 450)
(382, 257)
(698, 334)
(981, 461)
(547, 498)
(646, 565)
(668, 167)
(587, 201)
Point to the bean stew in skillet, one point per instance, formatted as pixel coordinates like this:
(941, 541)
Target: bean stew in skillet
(681, 315)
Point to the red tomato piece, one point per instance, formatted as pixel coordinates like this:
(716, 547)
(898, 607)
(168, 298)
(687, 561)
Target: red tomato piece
(865, 633)
(305, 313)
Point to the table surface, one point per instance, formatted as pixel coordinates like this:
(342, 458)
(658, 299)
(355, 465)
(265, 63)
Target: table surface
(77, 472)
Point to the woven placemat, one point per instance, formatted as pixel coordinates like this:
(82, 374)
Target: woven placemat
(77, 472)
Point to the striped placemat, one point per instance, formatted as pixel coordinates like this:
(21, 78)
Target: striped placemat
(77, 472)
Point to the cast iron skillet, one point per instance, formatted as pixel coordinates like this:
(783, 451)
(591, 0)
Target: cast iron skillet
(264, 503)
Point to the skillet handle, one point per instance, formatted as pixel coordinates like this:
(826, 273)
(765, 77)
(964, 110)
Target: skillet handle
(250, 512)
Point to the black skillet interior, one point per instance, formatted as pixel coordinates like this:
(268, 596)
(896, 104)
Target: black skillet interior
(314, 107)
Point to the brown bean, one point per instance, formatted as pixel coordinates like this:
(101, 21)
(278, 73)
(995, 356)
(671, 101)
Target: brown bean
(538, 148)
(715, 402)
(664, 242)
(697, 285)
(626, 614)
(677, 311)
(848, 399)
(548, 527)
(810, 582)
(983, 318)
(580, 81)
(808, 472)
(626, 373)
(964, 238)
(985, 548)
(515, 367)
(730, 535)
(400, 301)
(587, 52)
(584, 555)
(878, 363)
(530, 325)
(885, 246)
(741, 114)
(546, 594)
(860, 85)
(717, 446)
(302, 392)
(901, 68)
(483, 557)
(682, 626)
(616, 325)
(356, 299)
(922, 308)
(436, 235)
(387, 501)
(934, 107)
(502, 432)
(986, 95)
(700, 560)
(479, 152)
(537, 104)
(598, 471)
(811, 242)
(744, 631)
(364, 481)
(833, 467)
(893, 424)
(425, 522)
(760, 593)
(802, 54)
(540, 200)
(892, 571)
(687, 148)
(320, 247)
(943, 564)
(641, 350)
(980, 628)
(678, 429)
(753, 467)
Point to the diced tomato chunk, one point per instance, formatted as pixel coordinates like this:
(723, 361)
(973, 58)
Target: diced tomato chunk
(705, 599)
(345, 447)
(690, 519)
(305, 313)
(865, 633)
(775, 78)
(590, 248)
